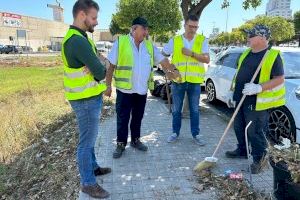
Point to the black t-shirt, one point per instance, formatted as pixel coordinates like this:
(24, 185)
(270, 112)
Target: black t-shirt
(247, 70)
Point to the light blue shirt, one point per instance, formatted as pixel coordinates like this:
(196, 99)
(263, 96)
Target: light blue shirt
(141, 68)
(169, 47)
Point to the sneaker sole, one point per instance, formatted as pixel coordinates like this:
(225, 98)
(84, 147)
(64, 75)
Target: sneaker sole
(138, 148)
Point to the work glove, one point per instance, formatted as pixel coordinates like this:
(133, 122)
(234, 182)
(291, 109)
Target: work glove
(252, 88)
(229, 100)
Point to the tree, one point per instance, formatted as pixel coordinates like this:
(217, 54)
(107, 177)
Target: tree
(114, 28)
(281, 30)
(162, 15)
(196, 7)
(297, 25)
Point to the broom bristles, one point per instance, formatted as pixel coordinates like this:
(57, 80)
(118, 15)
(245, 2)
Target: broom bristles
(208, 163)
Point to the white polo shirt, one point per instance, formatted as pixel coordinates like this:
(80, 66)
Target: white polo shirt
(142, 65)
(169, 47)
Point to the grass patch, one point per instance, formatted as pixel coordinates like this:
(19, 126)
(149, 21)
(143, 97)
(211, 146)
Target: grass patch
(30, 98)
(20, 81)
(38, 134)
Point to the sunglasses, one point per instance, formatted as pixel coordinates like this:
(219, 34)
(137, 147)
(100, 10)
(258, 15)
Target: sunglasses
(251, 35)
(192, 26)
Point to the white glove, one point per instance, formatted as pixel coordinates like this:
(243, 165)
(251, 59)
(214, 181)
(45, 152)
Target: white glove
(230, 102)
(251, 89)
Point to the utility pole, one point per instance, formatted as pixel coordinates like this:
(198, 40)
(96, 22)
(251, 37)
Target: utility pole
(58, 11)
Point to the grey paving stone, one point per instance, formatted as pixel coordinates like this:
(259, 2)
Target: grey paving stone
(165, 171)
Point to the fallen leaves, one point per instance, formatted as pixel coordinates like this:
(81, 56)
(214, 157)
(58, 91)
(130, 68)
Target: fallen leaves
(47, 169)
(226, 188)
(290, 158)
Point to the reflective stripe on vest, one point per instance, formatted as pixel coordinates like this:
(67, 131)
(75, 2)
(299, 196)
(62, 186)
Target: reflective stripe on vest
(123, 71)
(191, 70)
(77, 83)
(269, 98)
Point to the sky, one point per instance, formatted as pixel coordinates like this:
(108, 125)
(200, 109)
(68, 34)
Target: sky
(212, 16)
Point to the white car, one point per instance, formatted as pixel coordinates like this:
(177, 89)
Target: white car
(284, 121)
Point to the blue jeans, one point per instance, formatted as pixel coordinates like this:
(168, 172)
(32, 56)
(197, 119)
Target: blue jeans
(88, 118)
(193, 92)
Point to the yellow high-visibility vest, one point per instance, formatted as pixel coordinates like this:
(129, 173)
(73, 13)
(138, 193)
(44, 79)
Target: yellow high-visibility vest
(191, 70)
(123, 71)
(77, 83)
(270, 98)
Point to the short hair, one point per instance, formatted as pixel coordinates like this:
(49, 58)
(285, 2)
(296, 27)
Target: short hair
(84, 5)
(192, 18)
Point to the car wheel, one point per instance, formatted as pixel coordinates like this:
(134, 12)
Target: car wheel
(281, 124)
(211, 91)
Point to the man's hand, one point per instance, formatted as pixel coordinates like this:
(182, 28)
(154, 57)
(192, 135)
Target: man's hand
(104, 61)
(186, 51)
(86, 70)
(174, 75)
(252, 88)
(108, 91)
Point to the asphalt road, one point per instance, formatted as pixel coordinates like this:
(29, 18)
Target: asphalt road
(7, 56)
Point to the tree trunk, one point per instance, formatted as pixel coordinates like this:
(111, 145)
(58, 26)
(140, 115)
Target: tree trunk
(188, 8)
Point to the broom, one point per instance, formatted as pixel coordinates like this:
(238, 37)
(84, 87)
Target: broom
(210, 162)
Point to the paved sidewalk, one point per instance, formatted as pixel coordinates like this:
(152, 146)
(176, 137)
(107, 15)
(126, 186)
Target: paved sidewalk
(165, 171)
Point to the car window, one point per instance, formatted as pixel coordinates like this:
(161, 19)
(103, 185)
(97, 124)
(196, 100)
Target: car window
(220, 59)
(212, 55)
(231, 60)
(291, 62)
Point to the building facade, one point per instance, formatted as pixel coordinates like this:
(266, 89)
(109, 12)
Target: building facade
(280, 8)
(38, 33)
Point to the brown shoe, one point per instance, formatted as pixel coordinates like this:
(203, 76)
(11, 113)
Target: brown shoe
(95, 191)
(102, 170)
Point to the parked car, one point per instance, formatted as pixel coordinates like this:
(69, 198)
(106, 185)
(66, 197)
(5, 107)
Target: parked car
(103, 46)
(12, 49)
(26, 49)
(1, 48)
(285, 120)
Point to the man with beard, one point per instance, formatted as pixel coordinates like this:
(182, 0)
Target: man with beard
(83, 73)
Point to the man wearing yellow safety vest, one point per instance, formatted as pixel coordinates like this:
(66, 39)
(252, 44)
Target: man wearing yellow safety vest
(266, 92)
(83, 73)
(132, 58)
(189, 52)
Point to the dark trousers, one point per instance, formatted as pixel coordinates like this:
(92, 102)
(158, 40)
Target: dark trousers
(256, 131)
(127, 104)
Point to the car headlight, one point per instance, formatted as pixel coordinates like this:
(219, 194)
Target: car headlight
(297, 92)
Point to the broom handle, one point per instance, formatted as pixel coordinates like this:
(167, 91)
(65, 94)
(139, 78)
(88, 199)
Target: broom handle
(168, 94)
(239, 105)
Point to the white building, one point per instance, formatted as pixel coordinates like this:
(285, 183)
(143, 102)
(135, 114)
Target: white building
(215, 33)
(280, 8)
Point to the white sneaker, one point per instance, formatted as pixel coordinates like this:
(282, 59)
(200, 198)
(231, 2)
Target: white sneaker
(172, 138)
(198, 141)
